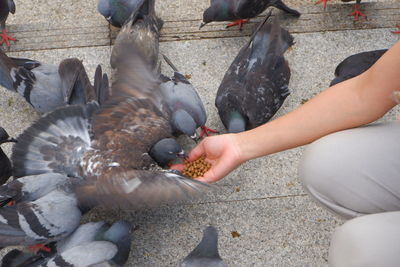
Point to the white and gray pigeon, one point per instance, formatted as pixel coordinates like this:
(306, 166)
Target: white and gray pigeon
(206, 252)
(45, 86)
(256, 84)
(186, 107)
(113, 152)
(49, 218)
(6, 7)
(30, 188)
(141, 31)
(117, 12)
(91, 243)
(5, 164)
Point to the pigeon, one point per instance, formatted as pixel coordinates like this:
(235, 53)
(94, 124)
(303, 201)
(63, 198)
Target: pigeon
(40, 221)
(91, 243)
(5, 164)
(117, 12)
(6, 7)
(206, 252)
(240, 10)
(356, 64)
(30, 188)
(256, 84)
(114, 155)
(187, 109)
(45, 86)
(141, 29)
(356, 13)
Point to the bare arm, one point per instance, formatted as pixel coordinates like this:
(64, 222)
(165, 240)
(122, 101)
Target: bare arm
(349, 104)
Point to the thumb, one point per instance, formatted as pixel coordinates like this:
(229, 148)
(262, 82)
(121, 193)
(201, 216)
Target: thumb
(197, 152)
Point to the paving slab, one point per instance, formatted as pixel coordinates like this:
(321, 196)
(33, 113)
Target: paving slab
(273, 232)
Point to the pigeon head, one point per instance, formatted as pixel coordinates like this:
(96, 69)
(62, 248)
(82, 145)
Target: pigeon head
(120, 234)
(215, 13)
(183, 122)
(165, 151)
(236, 123)
(209, 15)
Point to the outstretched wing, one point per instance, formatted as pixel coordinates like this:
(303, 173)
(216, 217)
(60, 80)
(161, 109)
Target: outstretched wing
(139, 188)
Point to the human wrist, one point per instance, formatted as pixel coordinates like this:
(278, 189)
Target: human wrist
(244, 146)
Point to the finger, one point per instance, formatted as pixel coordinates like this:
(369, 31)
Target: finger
(197, 152)
(178, 167)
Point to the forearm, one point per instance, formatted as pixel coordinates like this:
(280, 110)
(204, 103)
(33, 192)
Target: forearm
(352, 103)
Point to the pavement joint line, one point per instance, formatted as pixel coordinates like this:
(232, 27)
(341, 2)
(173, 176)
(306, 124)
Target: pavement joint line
(248, 199)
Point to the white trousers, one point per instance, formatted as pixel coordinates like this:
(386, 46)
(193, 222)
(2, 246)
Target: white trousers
(357, 172)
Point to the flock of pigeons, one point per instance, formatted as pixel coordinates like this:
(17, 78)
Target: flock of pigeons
(101, 145)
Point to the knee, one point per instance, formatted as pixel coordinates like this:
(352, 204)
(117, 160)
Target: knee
(319, 165)
(365, 241)
(324, 170)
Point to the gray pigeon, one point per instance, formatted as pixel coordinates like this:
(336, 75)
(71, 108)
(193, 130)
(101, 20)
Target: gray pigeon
(256, 84)
(6, 7)
(45, 86)
(356, 64)
(117, 12)
(240, 10)
(206, 252)
(40, 221)
(91, 243)
(187, 109)
(142, 31)
(111, 154)
(30, 188)
(5, 164)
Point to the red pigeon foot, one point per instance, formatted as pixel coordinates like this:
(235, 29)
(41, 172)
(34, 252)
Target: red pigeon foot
(239, 22)
(356, 13)
(206, 131)
(11, 203)
(322, 1)
(397, 32)
(6, 38)
(39, 247)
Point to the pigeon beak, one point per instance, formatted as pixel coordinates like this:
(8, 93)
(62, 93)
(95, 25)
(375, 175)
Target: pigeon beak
(181, 154)
(194, 137)
(202, 25)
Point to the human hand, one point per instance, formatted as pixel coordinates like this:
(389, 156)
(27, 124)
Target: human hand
(222, 151)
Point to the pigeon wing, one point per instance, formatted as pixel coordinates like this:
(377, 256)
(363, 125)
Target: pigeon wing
(139, 188)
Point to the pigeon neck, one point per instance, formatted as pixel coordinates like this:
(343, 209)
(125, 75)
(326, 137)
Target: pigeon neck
(208, 246)
(236, 122)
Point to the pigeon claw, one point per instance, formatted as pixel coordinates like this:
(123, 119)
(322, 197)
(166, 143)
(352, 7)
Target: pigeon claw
(239, 22)
(322, 1)
(357, 13)
(11, 203)
(39, 247)
(206, 131)
(6, 38)
(397, 32)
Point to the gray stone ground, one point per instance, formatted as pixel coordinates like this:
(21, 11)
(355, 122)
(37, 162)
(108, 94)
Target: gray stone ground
(279, 225)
